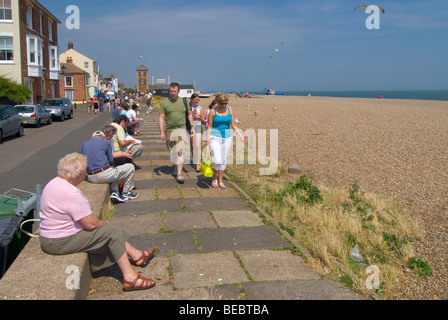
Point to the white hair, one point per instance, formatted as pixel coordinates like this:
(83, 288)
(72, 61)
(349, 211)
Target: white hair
(71, 165)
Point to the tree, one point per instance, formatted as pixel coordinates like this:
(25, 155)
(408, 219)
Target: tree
(12, 92)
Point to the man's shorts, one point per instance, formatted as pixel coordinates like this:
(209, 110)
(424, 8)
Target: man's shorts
(177, 140)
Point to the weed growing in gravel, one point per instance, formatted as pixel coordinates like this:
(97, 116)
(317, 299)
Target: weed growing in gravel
(420, 267)
(331, 222)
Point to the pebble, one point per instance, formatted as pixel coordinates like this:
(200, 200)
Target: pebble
(390, 147)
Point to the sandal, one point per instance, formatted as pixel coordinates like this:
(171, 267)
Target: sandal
(215, 183)
(222, 186)
(144, 284)
(145, 258)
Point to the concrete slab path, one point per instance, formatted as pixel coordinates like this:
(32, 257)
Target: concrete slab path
(210, 244)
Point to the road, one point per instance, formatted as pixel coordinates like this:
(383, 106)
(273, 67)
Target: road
(32, 159)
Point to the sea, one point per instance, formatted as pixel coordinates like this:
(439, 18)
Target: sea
(441, 95)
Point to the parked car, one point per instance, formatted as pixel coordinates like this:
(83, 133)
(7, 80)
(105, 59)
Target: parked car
(34, 114)
(10, 122)
(60, 108)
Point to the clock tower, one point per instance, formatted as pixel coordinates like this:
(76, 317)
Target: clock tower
(142, 79)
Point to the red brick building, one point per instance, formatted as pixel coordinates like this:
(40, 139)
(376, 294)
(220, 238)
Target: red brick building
(73, 82)
(29, 51)
(142, 80)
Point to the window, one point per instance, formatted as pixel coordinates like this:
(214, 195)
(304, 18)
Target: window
(69, 94)
(54, 65)
(6, 49)
(29, 17)
(50, 31)
(34, 51)
(41, 21)
(5, 10)
(39, 52)
(86, 65)
(68, 81)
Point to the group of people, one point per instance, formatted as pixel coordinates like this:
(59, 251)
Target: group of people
(97, 102)
(125, 109)
(178, 119)
(67, 223)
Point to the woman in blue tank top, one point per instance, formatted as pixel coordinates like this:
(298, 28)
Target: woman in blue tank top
(219, 136)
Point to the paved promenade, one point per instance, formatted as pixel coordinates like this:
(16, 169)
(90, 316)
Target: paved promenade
(210, 244)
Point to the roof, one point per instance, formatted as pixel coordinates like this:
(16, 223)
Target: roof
(67, 52)
(45, 10)
(71, 68)
(142, 68)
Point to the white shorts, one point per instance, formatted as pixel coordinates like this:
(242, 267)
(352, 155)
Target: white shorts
(220, 148)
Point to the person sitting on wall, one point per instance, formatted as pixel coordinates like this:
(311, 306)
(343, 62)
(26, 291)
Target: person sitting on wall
(68, 226)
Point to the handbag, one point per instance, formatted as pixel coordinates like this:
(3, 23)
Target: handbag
(206, 163)
(187, 120)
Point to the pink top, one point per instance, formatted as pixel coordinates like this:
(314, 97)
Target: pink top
(62, 206)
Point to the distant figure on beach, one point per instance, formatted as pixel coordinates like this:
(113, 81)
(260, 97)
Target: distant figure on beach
(68, 226)
(219, 136)
(173, 130)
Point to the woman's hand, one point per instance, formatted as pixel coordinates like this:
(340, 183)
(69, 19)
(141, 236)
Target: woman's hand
(91, 223)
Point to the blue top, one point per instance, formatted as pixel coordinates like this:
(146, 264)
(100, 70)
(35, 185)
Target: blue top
(221, 125)
(98, 152)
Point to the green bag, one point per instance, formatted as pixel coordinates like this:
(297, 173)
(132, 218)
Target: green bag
(206, 163)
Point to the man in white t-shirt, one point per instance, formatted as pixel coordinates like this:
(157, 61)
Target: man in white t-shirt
(134, 122)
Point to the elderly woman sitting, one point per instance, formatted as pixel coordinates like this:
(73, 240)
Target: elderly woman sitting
(68, 226)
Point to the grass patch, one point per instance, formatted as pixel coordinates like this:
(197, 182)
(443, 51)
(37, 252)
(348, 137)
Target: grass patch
(107, 211)
(330, 222)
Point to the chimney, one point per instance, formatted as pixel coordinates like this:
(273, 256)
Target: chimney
(70, 45)
(69, 60)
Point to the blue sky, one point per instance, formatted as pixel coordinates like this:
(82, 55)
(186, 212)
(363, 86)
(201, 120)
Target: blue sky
(226, 45)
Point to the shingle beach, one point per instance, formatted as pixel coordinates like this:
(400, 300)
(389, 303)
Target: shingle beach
(390, 147)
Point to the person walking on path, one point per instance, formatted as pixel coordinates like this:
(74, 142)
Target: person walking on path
(205, 114)
(219, 136)
(95, 104)
(196, 139)
(68, 226)
(101, 100)
(172, 126)
(99, 152)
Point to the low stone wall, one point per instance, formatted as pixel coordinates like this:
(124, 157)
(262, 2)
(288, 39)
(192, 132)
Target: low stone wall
(35, 275)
